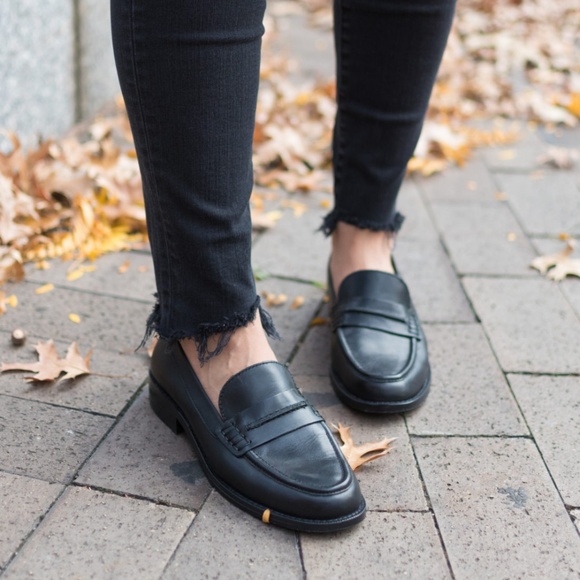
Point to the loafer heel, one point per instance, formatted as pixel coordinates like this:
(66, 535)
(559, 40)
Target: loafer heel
(164, 407)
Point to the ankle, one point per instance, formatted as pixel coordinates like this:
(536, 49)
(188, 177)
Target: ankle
(355, 249)
(247, 346)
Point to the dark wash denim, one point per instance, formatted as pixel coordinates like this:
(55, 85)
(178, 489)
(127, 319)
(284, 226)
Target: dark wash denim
(189, 73)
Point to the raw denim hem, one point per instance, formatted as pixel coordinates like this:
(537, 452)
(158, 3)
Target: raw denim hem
(202, 333)
(330, 220)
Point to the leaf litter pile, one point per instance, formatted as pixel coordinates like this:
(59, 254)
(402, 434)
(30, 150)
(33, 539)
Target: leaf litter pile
(80, 197)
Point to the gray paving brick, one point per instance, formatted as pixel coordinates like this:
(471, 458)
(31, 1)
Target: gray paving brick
(576, 517)
(23, 501)
(544, 205)
(389, 483)
(89, 534)
(385, 545)
(472, 182)
(484, 239)
(551, 406)
(498, 511)
(519, 156)
(138, 281)
(293, 247)
(225, 542)
(116, 378)
(291, 323)
(417, 222)
(107, 323)
(46, 442)
(469, 394)
(313, 356)
(141, 456)
(530, 325)
(433, 284)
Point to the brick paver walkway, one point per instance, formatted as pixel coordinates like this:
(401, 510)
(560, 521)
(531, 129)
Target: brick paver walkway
(484, 480)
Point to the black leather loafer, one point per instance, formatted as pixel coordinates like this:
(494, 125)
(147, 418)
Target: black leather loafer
(379, 360)
(268, 451)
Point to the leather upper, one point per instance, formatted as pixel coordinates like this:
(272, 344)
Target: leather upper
(379, 351)
(267, 441)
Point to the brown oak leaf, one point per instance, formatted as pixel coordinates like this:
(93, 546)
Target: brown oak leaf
(50, 366)
(357, 455)
(558, 266)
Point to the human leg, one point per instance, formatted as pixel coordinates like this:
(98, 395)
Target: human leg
(189, 73)
(388, 53)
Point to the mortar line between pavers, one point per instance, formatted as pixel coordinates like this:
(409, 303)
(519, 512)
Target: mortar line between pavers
(565, 296)
(460, 436)
(116, 421)
(428, 500)
(305, 281)
(58, 286)
(41, 519)
(136, 496)
(60, 406)
(301, 555)
(399, 511)
(546, 466)
(441, 239)
(172, 557)
(539, 374)
(304, 334)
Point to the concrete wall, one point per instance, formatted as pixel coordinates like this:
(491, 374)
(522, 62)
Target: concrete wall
(56, 64)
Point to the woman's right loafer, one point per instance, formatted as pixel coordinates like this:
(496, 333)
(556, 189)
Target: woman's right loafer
(268, 451)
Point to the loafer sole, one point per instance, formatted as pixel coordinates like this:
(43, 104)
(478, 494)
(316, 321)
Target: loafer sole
(168, 411)
(378, 407)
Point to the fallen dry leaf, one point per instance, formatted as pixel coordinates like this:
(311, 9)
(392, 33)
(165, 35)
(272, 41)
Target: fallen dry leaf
(357, 455)
(6, 300)
(74, 318)
(559, 157)
(297, 302)
(50, 366)
(274, 299)
(44, 288)
(558, 266)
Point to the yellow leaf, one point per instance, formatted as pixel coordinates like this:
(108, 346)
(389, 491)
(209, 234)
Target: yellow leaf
(574, 104)
(75, 274)
(44, 289)
(319, 321)
(74, 318)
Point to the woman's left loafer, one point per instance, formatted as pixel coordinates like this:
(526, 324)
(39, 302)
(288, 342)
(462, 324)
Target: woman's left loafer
(379, 361)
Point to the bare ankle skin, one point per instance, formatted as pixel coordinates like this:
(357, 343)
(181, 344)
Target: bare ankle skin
(247, 346)
(356, 249)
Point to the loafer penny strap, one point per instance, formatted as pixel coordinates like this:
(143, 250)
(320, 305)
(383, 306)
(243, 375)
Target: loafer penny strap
(268, 420)
(382, 315)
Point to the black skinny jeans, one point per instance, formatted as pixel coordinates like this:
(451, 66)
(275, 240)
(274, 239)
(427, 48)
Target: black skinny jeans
(189, 72)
